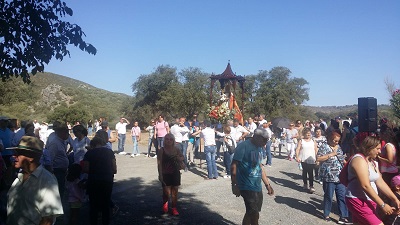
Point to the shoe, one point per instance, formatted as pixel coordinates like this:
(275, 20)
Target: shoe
(305, 186)
(227, 176)
(344, 221)
(312, 190)
(122, 153)
(165, 207)
(154, 157)
(327, 219)
(269, 165)
(132, 156)
(174, 212)
(138, 154)
(215, 178)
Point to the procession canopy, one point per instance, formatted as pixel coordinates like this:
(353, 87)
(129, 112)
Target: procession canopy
(228, 82)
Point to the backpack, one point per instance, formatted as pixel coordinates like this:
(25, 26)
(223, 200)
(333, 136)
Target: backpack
(344, 173)
(231, 148)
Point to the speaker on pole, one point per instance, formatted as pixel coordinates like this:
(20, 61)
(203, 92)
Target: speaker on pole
(367, 114)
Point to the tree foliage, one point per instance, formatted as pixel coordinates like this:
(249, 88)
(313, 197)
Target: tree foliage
(276, 93)
(32, 32)
(173, 94)
(71, 114)
(170, 93)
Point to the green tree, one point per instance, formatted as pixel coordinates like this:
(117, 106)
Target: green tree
(69, 114)
(32, 32)
(279, 94)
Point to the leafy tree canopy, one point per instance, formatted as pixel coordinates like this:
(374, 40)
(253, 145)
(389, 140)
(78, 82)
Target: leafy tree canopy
(276, 93)
(71, 114)
(32, 32)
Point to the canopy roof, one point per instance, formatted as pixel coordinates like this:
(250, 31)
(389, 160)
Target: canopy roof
(228, 75)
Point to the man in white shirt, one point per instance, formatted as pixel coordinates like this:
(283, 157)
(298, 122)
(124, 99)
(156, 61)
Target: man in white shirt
(262, 120)
(181, 134)
(251, 127)
(208, 134)
(121, 131)
(238, 132)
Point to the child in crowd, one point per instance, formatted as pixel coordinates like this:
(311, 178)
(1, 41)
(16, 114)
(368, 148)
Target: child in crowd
(76, 192)
(229, 144)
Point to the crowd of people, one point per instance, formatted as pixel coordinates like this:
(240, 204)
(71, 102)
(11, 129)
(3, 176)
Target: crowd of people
(68, 157)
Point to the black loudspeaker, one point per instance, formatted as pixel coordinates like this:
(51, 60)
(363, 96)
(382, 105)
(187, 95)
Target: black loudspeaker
(367, 114)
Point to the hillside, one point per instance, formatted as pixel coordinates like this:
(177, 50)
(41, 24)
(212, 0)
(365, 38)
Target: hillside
(47, 91)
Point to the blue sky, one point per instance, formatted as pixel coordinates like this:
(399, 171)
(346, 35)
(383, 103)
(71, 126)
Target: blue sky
(344, 49)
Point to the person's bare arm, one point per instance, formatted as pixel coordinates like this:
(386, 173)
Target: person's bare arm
(360, 167)
(266, 181)
(235, 188)
(385, 189)
(298, 151)
(390, 154)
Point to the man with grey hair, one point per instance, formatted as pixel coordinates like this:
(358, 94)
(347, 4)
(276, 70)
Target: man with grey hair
(33, 197)
(247, 173)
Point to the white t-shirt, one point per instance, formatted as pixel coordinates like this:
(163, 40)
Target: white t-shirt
(121, 127)
(208, 135)
(237, 132)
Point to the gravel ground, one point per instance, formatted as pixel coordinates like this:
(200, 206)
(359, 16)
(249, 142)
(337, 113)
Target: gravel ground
(137, 192)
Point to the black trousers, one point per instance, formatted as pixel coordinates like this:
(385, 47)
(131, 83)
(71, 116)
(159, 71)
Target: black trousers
(99, 197)
(308, 169)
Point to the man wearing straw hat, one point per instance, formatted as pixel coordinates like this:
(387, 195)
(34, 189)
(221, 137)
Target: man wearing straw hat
(33, 197)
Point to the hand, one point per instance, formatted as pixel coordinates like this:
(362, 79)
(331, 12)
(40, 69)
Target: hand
(388, 210)
(236, 190)
(270, 190)
(298, 159)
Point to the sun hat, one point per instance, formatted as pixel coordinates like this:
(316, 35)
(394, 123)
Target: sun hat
(29, 143)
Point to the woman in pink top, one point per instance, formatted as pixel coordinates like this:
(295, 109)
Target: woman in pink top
(135, 133)
(388, 156)
(161, 129)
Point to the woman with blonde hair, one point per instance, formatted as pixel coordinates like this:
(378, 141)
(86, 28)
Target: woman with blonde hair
(364, 181)
(169, 159)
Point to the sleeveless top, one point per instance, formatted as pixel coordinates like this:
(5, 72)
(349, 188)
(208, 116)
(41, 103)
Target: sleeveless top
(354, 189)
(388, 167)
(307, 151)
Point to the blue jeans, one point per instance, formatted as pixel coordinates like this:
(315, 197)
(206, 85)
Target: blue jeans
(151, 141)
(218, 146)
(196, 146)
(268, 152)
(210, 159)
(227, 162)
(340, 190)
(135, 146)
(184, 147)
(121, 142)
(160, 142)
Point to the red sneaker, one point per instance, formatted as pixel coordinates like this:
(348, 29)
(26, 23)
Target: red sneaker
(165, 207)
(174, 212)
